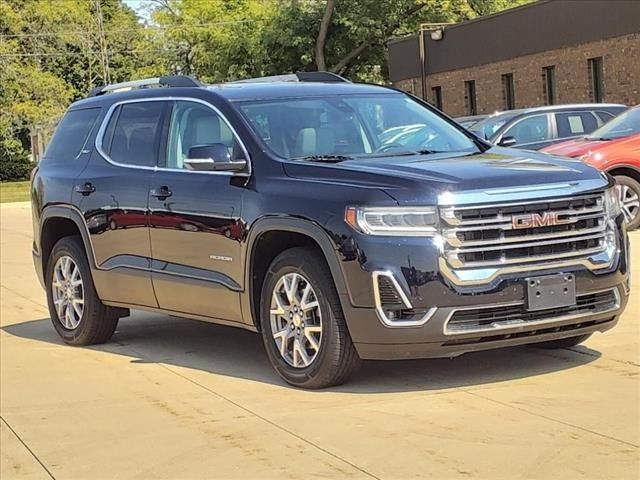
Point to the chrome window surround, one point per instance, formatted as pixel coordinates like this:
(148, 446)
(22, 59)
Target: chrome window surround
(405, 300)
(532, 323)
(107, 118)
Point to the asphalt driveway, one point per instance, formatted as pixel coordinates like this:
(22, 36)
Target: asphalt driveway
(174, 398)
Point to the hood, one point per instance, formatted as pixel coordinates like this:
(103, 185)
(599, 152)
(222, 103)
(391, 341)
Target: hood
(420, 179)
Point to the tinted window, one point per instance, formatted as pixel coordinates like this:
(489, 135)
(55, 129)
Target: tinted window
(71, 134)
(133, 134)
(193, 124)
(575, 123)
(355, 126)
(529, 130)
(605, 116)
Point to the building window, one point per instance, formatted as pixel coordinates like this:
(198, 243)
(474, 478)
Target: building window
(549, 84)
(508, 91)
(470, 97)
(436, 97)
(595, 77)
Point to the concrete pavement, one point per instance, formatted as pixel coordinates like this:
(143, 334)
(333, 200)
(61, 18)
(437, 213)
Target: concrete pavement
(174, 398)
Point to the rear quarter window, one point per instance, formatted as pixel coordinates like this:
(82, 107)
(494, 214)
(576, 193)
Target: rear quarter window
(71, 134)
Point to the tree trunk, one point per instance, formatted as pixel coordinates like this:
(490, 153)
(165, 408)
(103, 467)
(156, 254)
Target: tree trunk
(322, 35)
(384, 34)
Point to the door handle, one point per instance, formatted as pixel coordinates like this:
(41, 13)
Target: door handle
(85, 189)
(161, 193)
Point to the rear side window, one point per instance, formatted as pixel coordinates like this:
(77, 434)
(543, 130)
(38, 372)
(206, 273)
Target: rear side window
(605, 116)
(71, 134)
(132, 136)
(575, 123)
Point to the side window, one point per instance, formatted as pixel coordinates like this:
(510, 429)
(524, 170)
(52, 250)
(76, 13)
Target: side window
(529, 130)
(575, 123)
(132, 136)
(71, 134)
(604, 116)
(194, 124)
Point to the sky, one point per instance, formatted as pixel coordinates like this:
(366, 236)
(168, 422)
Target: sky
(138, 5)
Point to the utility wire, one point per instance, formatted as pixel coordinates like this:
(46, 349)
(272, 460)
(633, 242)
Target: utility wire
(141, 29)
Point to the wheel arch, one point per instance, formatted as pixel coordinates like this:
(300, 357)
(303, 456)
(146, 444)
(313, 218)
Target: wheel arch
(626, 170)
(271, 236)
(58, 221)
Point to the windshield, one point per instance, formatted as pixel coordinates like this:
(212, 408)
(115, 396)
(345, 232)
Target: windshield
(625, 124)
(345, 127)
(489, 126)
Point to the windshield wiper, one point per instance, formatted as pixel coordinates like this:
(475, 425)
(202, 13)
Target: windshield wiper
(425, 151)
(325, 158)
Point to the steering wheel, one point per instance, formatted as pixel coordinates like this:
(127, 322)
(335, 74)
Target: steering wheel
(388, 146)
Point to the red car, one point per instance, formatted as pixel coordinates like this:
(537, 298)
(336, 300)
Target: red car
(614, 148)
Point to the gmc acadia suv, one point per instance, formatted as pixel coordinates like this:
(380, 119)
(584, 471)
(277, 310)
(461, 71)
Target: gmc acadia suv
(286, 206)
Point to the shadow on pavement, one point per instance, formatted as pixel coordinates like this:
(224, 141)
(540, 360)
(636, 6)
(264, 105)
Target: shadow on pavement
(153, 338)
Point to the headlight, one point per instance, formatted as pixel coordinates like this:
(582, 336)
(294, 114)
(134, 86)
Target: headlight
(394, 221)
(612, 203)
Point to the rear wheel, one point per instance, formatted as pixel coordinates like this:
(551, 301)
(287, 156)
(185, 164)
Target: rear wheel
(303, 327)
(562, 343)
(629, 192)
(77, 313)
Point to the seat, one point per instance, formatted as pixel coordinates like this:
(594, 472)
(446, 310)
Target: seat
(306, 142)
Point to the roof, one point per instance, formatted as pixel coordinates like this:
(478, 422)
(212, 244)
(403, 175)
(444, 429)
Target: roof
(262, 90)
(242, 91)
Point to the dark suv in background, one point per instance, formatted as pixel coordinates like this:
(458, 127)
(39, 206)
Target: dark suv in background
(538, 127)
(286, 206)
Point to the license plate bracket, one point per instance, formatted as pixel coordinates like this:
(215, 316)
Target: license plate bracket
(551, 291)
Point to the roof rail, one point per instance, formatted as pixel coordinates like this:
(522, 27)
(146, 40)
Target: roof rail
(297, 77)
(166, 81)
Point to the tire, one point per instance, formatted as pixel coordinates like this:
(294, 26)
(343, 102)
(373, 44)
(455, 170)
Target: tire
(335, 357)
(562, 343)
(629, 189)
(96, 322)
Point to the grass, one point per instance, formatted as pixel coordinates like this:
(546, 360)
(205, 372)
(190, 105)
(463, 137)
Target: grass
(14, 192)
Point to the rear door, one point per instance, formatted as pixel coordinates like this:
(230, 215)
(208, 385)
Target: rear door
(113, 196)
(575, 124)
(196, 225)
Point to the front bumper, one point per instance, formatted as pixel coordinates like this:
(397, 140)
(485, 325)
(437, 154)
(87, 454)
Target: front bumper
(374, 339)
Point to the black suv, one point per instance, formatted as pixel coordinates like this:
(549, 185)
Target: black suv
(287, 208)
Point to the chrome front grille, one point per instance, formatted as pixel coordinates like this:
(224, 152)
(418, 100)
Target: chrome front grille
(495, 317)
(524, 234)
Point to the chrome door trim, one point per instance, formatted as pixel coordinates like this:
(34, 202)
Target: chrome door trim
(107, 118)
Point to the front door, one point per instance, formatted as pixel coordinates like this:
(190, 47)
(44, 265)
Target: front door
(195, 220)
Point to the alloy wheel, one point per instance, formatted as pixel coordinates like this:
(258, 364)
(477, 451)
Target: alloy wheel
(68, 292)
(296, 320)
(630, 202)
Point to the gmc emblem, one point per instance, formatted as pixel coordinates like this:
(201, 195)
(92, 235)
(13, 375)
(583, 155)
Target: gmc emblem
(533, 220)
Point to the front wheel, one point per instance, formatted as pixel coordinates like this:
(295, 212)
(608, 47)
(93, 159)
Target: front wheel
(629, 193)
(303, 327)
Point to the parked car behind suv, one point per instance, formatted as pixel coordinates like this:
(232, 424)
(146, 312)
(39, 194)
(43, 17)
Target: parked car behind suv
(287, 208)
(535, 128)
(614, 148)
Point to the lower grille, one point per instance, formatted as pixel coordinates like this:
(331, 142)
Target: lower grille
(489, 319)
(529, 334)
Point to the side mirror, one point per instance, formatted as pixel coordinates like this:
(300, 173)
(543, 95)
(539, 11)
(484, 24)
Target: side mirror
(213, 157)
(507, 141)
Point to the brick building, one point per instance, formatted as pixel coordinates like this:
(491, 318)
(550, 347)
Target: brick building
(546, 52)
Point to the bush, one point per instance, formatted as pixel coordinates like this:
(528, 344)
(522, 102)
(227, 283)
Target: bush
(14, 160)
